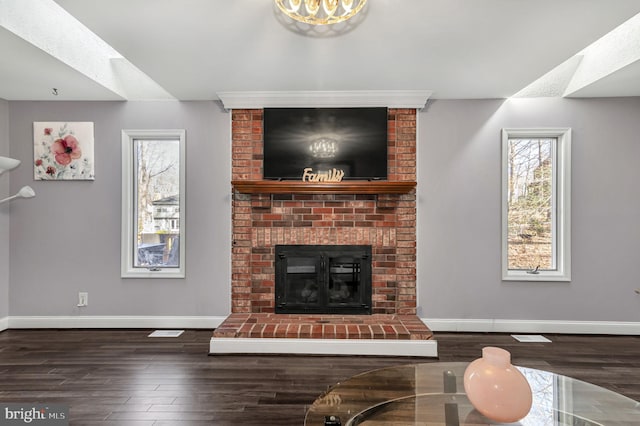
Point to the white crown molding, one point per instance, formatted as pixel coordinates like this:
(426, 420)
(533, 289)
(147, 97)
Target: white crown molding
(364, 98)
(379, 347)
(113, 322)
(532, 326)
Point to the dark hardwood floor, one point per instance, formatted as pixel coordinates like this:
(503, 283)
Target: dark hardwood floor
(122, 377)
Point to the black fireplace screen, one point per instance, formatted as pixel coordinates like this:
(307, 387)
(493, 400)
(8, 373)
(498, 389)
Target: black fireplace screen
(323, 279)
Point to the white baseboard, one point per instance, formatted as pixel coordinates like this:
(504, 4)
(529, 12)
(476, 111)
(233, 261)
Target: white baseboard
(241, 345)
(435, 324)
(113, 322)
(532, 326)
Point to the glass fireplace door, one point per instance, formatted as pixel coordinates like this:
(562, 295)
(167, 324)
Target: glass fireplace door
(344, 280)
(323, 279)
(303, 282)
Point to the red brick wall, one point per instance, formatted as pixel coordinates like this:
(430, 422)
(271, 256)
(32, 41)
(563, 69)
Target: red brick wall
(387, 222)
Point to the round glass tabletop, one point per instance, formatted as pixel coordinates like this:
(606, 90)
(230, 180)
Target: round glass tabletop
(433, 394)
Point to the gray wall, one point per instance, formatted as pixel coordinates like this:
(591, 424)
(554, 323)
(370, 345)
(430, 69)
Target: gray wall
(459, 211)
(67, 239)
(4, 213)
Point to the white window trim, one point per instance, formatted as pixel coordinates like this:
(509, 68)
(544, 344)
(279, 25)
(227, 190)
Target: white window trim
(562, 233)
(128, 205)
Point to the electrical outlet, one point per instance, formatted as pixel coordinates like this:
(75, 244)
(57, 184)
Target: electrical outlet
(83, 299)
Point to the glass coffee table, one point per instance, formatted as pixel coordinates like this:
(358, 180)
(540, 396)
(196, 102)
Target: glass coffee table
(433, 394)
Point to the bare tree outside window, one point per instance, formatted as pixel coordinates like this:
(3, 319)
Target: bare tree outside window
(153, 203)
(530, 204)
(536, 204)
(158, 203)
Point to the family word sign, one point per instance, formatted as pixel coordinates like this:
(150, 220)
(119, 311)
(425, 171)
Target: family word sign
(332, 175)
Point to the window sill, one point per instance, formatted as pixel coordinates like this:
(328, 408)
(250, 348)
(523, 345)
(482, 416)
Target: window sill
(540, 277)
(144, 273)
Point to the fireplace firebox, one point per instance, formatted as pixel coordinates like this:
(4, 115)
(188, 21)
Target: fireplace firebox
(323, 279)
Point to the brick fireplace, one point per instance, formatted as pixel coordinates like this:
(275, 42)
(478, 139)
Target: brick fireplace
(385, 221)
(380, 215)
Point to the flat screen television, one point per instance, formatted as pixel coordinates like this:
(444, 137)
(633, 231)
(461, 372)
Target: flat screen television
(352, 140)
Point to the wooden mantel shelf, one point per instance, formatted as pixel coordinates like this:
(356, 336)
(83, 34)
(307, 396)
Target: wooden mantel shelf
(344, 187)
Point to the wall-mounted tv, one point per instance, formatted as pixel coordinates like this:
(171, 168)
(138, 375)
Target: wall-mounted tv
(353, 140)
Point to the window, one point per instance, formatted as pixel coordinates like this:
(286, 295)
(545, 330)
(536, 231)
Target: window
(153, 200)
(536, 204)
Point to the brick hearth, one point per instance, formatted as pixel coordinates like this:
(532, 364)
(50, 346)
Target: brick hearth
(293, 326)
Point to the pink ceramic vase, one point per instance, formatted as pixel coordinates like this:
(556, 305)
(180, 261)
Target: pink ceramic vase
(497, 389)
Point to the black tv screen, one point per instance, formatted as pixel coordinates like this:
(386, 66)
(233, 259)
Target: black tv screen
(352, 140)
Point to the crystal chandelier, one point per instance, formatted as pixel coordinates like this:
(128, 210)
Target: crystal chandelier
(323, 147)
(320, 12)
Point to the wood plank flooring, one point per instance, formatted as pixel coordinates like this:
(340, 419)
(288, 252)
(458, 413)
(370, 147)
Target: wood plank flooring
(122, 377)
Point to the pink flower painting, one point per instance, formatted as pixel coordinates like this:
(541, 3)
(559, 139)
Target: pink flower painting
(66, 149)
(63, 151)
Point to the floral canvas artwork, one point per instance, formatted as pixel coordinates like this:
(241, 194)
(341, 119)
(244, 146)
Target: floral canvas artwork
(63, 151)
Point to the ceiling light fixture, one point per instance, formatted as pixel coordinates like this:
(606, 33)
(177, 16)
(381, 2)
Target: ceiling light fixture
(324, 147)
(320, 12)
